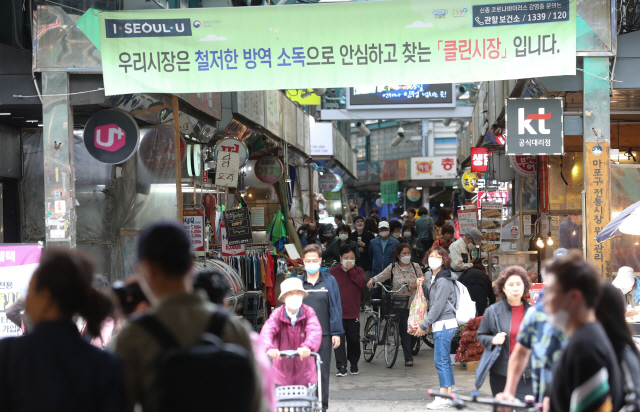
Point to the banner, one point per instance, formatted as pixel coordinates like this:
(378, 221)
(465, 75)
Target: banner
(17, 264)
(534, 126)
(424, 168)
(389, 192)
(273, 48)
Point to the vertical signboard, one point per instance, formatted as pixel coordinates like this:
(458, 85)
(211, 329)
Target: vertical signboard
(289, 126)
(491, 227)
(389, 191)
(389, 171)
(307, 135)
(238, 226)
(321, 139)
(300, 128)
(598, 200)
(194, 225)
(272, 111)
(479, 159)
(226, 249)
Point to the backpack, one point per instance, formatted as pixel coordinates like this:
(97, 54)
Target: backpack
(465, 308)
(207, 375)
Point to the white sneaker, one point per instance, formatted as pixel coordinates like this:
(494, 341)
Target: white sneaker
(439, 403)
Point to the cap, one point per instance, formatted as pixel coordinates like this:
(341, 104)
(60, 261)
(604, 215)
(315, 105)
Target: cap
(383, 223)
(560, 252)
(625, 280)
(404, 214)
(291, 284)
(355, 219)
(475, 234)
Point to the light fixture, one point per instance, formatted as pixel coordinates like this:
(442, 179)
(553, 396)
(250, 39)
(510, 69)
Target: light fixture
(418, 188)
(540, 243)
(40, 125)
(441, 204)
(447, 121)
(5, 114)
(33, 121)
(336, 205)
(320, 173)
(550, 242)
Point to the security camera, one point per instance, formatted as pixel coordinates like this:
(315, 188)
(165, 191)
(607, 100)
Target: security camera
(364, 130)
(320, 92)
(447, 122)
(460, 90)
(399, 137)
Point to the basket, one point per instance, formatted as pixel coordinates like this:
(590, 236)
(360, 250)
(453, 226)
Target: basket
(395, 304)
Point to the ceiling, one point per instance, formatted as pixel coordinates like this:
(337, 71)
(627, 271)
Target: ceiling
(625, 104)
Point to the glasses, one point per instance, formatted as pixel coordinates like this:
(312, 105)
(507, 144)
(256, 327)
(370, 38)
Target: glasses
(311, 261)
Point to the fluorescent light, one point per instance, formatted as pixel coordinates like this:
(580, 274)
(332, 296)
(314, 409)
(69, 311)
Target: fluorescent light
(5, 114)
(418, 188)
(33, 121)
(40, 125)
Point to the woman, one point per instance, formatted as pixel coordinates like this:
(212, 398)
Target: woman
(444, 218)
(511, 285)
(477, 282)
(53, 368)
(332, 253)
(611, 314)
(447, 237)
(370, 225)
(403, 272)
(410, 236)
(440, 287)
(395, 227)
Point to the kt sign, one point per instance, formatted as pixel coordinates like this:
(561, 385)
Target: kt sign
(111, 136)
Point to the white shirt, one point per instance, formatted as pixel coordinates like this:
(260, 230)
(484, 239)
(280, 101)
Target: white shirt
(446, 324)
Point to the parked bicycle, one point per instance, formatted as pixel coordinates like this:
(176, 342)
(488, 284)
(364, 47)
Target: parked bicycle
(460, 402)
(426, 339)
(382, 326)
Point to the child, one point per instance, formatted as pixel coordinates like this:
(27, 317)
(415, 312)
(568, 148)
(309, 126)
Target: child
(292, 326)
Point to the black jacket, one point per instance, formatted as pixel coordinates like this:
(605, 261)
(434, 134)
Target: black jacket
(488, 330)
(367, 237)
(479, 286)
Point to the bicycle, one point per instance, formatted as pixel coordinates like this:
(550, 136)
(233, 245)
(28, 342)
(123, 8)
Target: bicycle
(427, 339)
(460, 402)
(390, 336)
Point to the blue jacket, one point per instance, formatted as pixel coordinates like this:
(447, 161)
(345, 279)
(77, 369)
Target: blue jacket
(335, 304)
(380, 259)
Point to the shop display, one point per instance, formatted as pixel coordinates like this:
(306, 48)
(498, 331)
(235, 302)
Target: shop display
(470, 350)
(500, 260)
(491, 227)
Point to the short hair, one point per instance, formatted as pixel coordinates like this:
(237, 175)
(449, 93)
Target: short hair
(344, 228)
(344, 249)
(395, 224)
(374, 211)
(409, 227)
(399, 249)
(423, 211)
(312, 248)
(448, 229)
(338, 216)
(411, 212)
(305, 217)
(371, 225)
(573, 272)
(446, 258)
(214, 282)
(506, 274)
(384, 219)
(167, 245)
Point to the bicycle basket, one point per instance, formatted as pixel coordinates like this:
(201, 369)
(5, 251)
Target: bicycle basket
(395, 303)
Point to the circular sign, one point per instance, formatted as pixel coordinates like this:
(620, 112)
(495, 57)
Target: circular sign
(235, 145)
(339, 184)
(268, 169)
(470, 181)
(111, 136)
(327, 182)
(413, 195)
(524, 165)
(379, 202)
(157, 150)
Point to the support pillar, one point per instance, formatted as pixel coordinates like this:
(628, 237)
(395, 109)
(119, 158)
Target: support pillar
(597, 165)
(59, 168)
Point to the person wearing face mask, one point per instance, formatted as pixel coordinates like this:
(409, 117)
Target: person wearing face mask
(460, 251)
(363, 237)
(324, 298)
(512, 284)
(331, 254)
(402, 272)
(292, 326)
(410, 236)
(588, 376)
(381, 253)
(351, 280)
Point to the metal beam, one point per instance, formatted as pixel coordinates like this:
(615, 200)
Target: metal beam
(383, 114)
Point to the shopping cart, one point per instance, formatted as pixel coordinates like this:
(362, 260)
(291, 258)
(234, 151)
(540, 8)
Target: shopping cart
(300, 398)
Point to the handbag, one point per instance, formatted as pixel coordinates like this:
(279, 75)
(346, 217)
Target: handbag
(489, 357)
(417, 312)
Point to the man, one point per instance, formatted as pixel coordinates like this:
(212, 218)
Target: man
(424, 227)
(381, 253)
(308, 232)
(324, 298)
(164, 265)
(332, 253)
(363, 239)
(587, 377)
(460, 250)
(539, 340)
(338, 220)
(351, 281)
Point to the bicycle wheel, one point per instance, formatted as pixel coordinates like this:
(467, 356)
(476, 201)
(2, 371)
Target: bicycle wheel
(369, 339)
(428, 339)
(391, 343)
(415, 348)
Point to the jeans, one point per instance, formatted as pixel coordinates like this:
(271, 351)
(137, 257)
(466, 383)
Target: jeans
(349, 349)
(442, 356)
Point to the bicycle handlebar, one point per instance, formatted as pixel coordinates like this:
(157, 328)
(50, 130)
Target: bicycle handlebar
(293, 353)
(389, 290)
(459, 401)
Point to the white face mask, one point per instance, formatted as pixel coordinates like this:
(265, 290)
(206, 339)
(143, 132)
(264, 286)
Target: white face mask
(343, 236)
(471, 246)
(434, 263)
(407, 234)
(396, 235)
(559, 320)
(293, 302)
(405, 259)
(360, 228)
(384, 234)
(346, 262)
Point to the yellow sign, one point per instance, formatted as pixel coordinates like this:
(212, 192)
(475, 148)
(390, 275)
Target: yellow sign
(470, 181)
(597, 176)
(304, 97)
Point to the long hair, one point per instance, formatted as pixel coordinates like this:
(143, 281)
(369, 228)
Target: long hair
(611, 314)
(443, 216)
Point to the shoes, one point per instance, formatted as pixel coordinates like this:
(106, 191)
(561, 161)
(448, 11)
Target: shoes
(439, 403)
(408, 364)
(342, 372)
(354, 370)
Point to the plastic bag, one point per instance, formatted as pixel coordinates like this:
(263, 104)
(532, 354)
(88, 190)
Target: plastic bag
(417, 311)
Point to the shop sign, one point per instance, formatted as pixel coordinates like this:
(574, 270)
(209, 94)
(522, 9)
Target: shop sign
(238, 226)
(193, 220)
(389, 171)
(227, 169)
(290, 123)
(413, 195)
(300, 125)
(327, 182)
(268, 169)
(403, 169)
(597, 178)
(207, 50)
(111, 136)
(425, 168)
(272, 103)
(232, 145)
(467, 219)
(534, 126)
(157, 152)
(339, 183)
(332, 196)
(491, 227)
(389, 191)
(470, 181)
(500, 196)
(479, 159)
(369, 172)
(250, 104)
(226, 250)
(321, 135)
(525, 166)
(205, 176)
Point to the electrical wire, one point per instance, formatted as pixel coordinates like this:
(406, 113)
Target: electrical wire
(61, 94)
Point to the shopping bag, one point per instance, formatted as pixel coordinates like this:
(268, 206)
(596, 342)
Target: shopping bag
(417, 311)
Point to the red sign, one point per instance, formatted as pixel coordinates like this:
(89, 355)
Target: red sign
(205, 176)
(448, 163)
(327, 182)
(194, 225)
(426, 167)
(479, 159)
(389, 171)
(524, 165)
(493, 197)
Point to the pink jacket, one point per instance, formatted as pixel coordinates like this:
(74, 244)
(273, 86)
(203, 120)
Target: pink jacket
(277, 333)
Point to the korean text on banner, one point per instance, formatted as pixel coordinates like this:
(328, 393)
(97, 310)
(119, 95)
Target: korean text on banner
(193, 221)
(17, 264)
(389, 191)
(184, 50)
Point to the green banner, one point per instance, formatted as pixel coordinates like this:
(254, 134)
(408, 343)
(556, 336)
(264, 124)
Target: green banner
(389, 191)
(335, 45)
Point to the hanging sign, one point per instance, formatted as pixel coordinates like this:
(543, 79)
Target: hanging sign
(479, 159)
(238, 226)
(111, 136)
(268, 169)
(470, 181)
(327, 182)
(425, 168)
(233, 145)
(491, 227)
(389, 191)
(339, 183)
(413, 195)
(194, 225)
(499, 196)
(194, 160)
(525, 166)
(598, 204)
(534, 126)
(467, 219)
(389, 171)
(227, 169)
(206, 50)
(226, 250)
(157, 152)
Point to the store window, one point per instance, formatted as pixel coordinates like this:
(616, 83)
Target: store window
(625, 191)
(566, 197)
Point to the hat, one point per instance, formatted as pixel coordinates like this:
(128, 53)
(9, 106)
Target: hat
(383, 223)
(475, 234)
(560, 252)
(355, 219)
(625, 279)
(404, 214)
(291, 284)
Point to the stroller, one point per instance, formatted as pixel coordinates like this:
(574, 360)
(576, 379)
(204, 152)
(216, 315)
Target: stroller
(300, 398)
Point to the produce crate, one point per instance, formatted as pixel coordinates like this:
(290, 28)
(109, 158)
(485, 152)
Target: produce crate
(472, 366)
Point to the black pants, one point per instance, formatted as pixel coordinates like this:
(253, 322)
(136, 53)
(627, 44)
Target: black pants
(498, 382)
(349, 348)
(365, 299)
(405, 338)
(325, 355)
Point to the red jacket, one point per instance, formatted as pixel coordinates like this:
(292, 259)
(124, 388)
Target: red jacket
(277, 333)
(350, 284)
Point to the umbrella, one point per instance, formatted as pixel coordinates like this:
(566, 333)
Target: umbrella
(627, 222)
